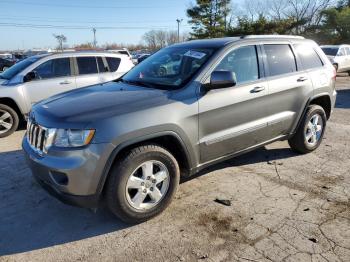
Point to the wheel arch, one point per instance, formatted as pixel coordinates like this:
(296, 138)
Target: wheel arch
(170, 140)
(11, 103)
(322, 100)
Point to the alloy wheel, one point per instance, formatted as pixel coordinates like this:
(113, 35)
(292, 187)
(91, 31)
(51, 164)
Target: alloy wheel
(6, 121)
(147, 185)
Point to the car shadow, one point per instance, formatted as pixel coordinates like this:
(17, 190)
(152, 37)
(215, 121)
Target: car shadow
(31, 219)
(257, 156)
(343, 99)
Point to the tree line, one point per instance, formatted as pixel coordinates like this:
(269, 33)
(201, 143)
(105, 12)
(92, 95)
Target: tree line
(325, 21)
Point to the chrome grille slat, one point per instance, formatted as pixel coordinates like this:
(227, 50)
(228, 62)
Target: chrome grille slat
(36, 136)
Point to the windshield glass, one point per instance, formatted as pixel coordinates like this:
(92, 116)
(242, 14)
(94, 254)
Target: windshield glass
(330, 50)
(169, 68)
(16, 68)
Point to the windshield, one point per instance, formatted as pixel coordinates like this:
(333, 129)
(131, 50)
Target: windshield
(169, 68)
(332, 51)
(16, 68)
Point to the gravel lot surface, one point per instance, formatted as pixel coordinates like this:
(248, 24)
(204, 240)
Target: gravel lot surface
(284, 207)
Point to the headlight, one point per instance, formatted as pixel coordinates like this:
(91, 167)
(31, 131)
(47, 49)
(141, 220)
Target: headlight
(73, 138)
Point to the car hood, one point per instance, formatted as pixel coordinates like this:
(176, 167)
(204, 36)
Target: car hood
(90, 104)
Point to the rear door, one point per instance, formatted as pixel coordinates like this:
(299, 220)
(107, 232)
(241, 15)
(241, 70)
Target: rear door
(289, 86)
(87, 71)
(53, 77)
(232, 119)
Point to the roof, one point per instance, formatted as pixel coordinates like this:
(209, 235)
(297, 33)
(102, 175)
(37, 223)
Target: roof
(220, 42)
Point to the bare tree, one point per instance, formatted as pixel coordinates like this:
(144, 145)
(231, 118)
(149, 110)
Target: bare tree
(171, 37)
(161, 37)
(150, 39)
(60, 39)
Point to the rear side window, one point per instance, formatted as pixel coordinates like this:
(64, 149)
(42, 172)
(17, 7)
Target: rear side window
(342, 52)
(280, 59)
(308, 56)
(113, 63)
(59, 67)
(101, 67)
(243, 62)
(87, 65)
(347, 50)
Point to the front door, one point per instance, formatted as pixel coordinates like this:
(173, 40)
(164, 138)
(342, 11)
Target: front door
(53, 77)
(234, 118)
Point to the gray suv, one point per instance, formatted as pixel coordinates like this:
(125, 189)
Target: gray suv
(127, 143)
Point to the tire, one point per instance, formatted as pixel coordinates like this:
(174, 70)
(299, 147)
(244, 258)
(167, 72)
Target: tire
(349, 73)
(134, 166)
(8, 121)
(308, 136)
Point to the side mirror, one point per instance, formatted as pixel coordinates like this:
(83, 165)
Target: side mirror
(30, 76)
(222, 79)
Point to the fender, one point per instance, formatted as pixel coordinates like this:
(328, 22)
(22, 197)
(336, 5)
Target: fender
(301, 117)
(120, 147)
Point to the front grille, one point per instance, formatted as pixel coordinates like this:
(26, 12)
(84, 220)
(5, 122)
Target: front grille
(36, 136)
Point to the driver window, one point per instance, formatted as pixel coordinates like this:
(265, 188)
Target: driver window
(243, 62)
(59, 67)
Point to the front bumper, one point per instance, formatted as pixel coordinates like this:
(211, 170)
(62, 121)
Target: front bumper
(82, 170)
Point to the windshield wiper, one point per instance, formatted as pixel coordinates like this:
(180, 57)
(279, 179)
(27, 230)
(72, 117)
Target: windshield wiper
(137, 83)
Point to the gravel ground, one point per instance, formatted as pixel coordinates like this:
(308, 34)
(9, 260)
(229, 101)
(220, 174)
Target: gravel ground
(284, 207)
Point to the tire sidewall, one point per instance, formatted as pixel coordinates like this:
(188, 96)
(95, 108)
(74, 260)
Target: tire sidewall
(311, 113)
(125, 170)
(14, 118)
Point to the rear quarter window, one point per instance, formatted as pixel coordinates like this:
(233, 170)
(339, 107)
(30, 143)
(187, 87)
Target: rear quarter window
(87, 65)
(308, 56)
(113, 63)
(280, 59)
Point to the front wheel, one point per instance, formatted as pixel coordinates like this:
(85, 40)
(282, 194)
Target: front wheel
(310, 132)
(142, 184)
(8, 121)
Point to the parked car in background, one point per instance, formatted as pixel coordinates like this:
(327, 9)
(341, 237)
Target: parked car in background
(5, 64)
(126, 143)
(39, 77)
(339, 55)
(123, 51)
(142, 57)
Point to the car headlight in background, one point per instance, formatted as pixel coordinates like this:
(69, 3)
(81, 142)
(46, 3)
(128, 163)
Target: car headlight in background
(73, 138)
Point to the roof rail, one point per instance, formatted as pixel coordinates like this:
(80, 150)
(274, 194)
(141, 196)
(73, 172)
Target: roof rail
(272, 36)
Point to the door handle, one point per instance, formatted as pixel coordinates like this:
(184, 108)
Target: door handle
(65, 82)
(302, 79)
(257, 89)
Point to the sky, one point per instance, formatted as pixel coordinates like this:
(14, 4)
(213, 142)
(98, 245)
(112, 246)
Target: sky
(26, 24)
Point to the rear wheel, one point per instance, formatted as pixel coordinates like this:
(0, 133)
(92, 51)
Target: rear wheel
(310, 132)
(8, 121)
(142, 184)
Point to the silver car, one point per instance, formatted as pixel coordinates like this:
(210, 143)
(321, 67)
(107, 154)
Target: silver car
(339, 55)
(39, 77)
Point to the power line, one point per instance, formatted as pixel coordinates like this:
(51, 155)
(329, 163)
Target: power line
(50, 20)
(82, 6)
(78, 27)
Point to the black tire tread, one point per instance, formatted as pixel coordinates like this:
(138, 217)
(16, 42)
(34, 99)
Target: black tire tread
(116, 207)
(297, 142)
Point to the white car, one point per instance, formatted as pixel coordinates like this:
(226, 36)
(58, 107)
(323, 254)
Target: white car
(39, 77)
(339, 56)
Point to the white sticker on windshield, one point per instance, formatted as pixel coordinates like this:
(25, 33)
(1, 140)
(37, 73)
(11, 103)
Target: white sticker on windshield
(195, 54)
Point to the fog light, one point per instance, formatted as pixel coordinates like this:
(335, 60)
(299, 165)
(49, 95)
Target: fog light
(60, 178)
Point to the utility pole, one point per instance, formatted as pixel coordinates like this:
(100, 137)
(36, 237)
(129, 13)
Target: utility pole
(95, 42)
(178, 29)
